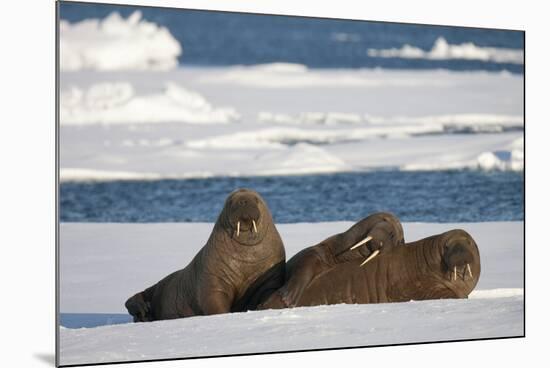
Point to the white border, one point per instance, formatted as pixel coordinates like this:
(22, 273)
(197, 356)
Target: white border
(461, 13)
(27, 189)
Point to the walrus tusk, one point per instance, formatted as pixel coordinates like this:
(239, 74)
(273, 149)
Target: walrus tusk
(374, 254)
(255, 228)
(238, 228)
(455, 273)
(469, 270)
(368, 238)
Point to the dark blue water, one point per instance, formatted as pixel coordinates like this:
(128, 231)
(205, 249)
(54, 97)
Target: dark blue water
(88, 320)
(221, 38)
(431, 196)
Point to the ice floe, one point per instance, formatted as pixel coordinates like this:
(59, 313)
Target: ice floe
(446, 123)
(115, 43)
(289, 75)
(119, 103)
(442, 50)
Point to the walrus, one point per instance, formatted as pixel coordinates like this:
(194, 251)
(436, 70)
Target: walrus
(361, 243)
(438, 267)
(241, 263)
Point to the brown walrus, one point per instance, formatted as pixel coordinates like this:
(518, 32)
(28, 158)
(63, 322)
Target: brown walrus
(441, 266)
(361, 243)
(242, 261)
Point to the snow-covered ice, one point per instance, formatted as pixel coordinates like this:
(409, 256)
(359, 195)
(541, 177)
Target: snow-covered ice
(172, 152)
(286, 119)
(304, 328)
(115, 43)
(117, 103)
(442, 50)
(103, 264)
(293, 76)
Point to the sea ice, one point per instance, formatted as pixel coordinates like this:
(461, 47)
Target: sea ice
(115, 43)
(442, 50)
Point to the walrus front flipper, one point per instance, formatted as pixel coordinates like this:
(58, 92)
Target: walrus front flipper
(139, 305)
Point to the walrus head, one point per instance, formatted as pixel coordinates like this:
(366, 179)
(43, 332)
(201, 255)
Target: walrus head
(460, 256)
(246, 216)
(451, 255)
(373, 235)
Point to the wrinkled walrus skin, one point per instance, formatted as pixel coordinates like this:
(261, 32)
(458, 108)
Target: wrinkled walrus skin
(438, 267)
(319, 260)
(242, 262)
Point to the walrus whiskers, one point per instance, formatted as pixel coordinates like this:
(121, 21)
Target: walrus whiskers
(368, 238)
(238, 228)
(254, 224)
(374, 254)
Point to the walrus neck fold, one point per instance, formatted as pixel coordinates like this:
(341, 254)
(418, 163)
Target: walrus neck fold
(428, 256)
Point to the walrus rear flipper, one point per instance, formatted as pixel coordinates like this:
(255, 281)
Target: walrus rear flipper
(261, 289)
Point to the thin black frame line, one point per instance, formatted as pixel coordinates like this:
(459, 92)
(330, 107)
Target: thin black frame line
(296, 351)
(57, 185)
(287, 15)
(57, 182)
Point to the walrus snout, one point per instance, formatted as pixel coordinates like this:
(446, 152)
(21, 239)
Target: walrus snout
(139, 308)
(245, 216)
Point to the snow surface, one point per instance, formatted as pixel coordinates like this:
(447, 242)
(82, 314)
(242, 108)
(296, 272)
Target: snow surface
(115, 43)
(442, 50)
(286, 119)
(303, 328)
(103, 264)
(117, 103)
